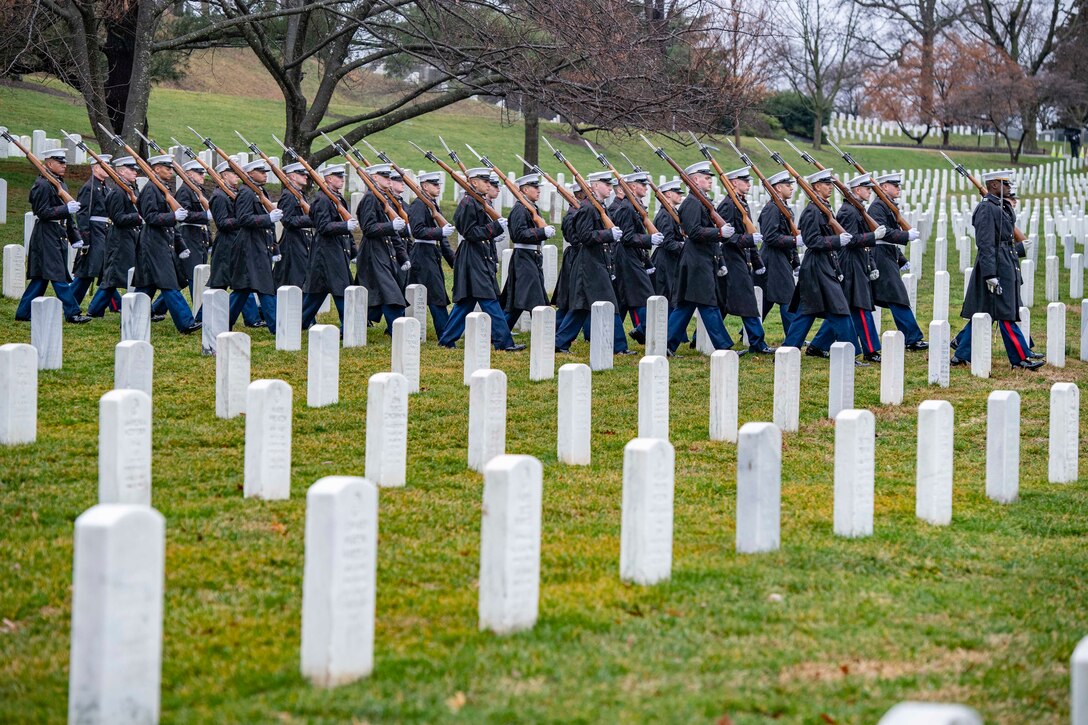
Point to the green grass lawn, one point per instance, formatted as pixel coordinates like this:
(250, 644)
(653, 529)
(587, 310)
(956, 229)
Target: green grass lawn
(985, 611)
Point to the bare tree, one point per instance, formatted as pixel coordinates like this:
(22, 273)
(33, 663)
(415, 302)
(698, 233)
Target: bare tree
(821, 37)
(1026, 32)
(926, 19)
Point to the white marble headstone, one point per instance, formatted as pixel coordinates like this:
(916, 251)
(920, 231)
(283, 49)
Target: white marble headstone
(1055, 334)
(1064, 446)
(575, 414)
(355, 316)
(981, 344)
(339, 580)
(840, 387)
(124, 447)
(323, 366)
(653, 397)
(724, 384)
(787, 388)
(387, 428)
(486, 417)
(939, 371)
(930, 713)
(1003, 446)
(215, 318)
(933, 502)
(268, 440)
(854, 472)
(657, 325)
(542, 344)
(405, 351)
(510, 544)
(18, 393)
(601, 339)
(759, 487)
(416, 295)
(288, 318)
(115, 664)
(647, 519)
(14, 271)
(477, 344)
(135, 317)
(133, 366)
(46, 320)
(231, 372)
(891, 368)
(201, 274)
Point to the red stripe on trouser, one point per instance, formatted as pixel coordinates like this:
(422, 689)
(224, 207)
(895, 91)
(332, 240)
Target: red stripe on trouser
(865, 326)
(634, 316)
(1015, 341)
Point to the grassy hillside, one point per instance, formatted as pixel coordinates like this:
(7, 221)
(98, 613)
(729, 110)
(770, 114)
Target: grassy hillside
(219, 115)
(985, 611)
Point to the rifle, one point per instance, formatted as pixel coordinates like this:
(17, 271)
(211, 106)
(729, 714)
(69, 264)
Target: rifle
(46, 174)
(658, 193)
(319, 180)
(807, 188)
(367, 179)
(608, 224)
(431, 206)
(284, 181)
(563, 192)
(715, 217)
(843, 188)
(453, 155)
(876, 188)
(647, 223)
(148, 172)
(782, 208)
(362, 159)
(177, 170)
(207, 168)
(749, 226)
(109, 169)
(1017, 235)
(529, 206)
(462, 182)
(265, 201)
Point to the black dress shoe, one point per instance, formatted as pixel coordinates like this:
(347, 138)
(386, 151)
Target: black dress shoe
(920, 345)
(860, 364)
(22, 319)
(765, 351)
(258, 323)
(449, 347)
(158, 318)
(816, 352)
(692, 343)
(741, 353)
(563, 351)
(1029, 364)
(956, 362)
(79, 319)
(627, 352)
(874, 357)
(192, 328)
(1036, 356)
(954, 344)
(514, 348)
(638, 336)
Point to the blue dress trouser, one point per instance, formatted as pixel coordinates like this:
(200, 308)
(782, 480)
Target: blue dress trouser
(680, 317)
(575, 321)
(439, 317)
(754, 327)
(311, 303)
(836, 328)
(455, 324)
(240, 299)
(36, 287)
(175, 303)
(906, 323)
(783, 312)
(1016, 347)
(638, 316)
(80, 287)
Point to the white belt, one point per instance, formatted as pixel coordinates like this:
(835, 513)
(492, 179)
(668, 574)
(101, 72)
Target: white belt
(102, 219)
(530, 247)
(888, 244)
(191, 224)
(432, 242)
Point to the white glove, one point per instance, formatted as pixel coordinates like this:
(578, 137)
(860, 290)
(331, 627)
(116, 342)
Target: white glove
(651, 270)
(398, 224)
(722, 271)
(761, 270)
(181, 214)
(276, 258)
(617, 234)
(549, 231)
(353, 224)
(185, 254)
(406, 266)
(504, 223)
(800, 240)
(880, 231)
(727, 230)
(657, 238)
(993, 284)
(912, 235)
(845, 238)
(796, 274)
(275, 215)
(757, 238)
(78, 245)
(73, 207)
(905, 267)
(448, 230)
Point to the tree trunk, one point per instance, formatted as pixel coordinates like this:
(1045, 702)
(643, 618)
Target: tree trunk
(818, 129)
(530, 111)
(1030, 141)
(119, 49)
(139, 84)
(925, 79)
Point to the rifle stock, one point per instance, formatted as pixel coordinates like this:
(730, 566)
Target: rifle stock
(807, 188)
(416, 189)
(562, 190)
(605, 219)
(899, 219)
(318, 180)
(843, 188)
(1017, 235)
(529, 206)
(778, 202)
(715, 217)
(265, 201)
(207, 168)
(148, 171)
(180, 172)
(647, 223)
(36, 162)
(462, 182)
(746, 219)
(117, 180)
(284, 181)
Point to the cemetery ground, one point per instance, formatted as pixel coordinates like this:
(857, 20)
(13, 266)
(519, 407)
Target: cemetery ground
(985, 611)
